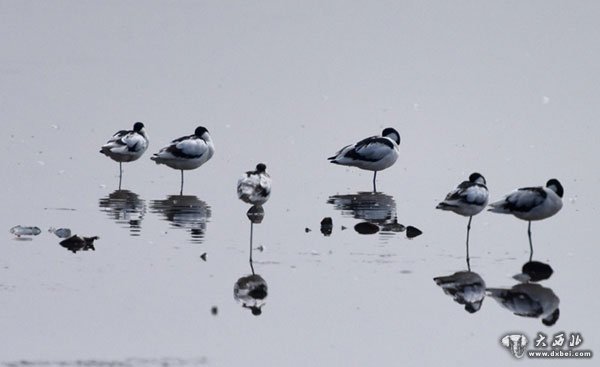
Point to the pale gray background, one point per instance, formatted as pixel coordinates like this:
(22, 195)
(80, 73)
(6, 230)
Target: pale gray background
(508, 88)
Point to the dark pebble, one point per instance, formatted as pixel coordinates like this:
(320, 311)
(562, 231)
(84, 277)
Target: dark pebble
(412, 232)
(366, 228)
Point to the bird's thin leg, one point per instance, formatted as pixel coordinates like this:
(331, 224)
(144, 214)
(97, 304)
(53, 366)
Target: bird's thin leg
(530, 243)
(120, 174)
(181, 190)
(374, 182)
(251, 235)
(468, 230)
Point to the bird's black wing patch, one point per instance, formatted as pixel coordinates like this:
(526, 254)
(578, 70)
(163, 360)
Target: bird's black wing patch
(184, 138)
(363, 145)
(525, 199)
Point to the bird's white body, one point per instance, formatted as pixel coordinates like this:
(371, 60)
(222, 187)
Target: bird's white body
(534, 203)
(468, 199)
(186, 153)
(254, 187)
(375, 153)
(126, 146)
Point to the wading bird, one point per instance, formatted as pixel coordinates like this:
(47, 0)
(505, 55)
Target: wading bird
(468, 199)
(126, 146)
(187, 152)
(375, 153)
(254, 187)
(531, 203)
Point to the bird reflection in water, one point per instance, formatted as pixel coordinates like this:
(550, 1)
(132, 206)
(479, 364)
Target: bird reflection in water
(376, 209)
(529, 299)
(78, 243)
(251, 290)
(125, 208)
(465, 287)
(184, 211)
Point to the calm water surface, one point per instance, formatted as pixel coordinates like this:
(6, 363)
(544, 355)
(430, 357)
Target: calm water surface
(469, 89)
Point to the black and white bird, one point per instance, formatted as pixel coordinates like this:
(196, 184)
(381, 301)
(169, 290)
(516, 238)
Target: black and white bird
(187, 153)
(126, 146)
(254, 187)
(468, 199)
(532, 203)
(529, 300)
(372, 154)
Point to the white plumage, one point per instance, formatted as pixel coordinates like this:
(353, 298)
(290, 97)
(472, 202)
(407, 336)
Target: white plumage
(469, 198)
(375, 153)
(127, 145)
(187, 152)
(254, 187)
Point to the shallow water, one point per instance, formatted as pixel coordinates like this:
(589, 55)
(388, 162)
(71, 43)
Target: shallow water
(469, 88)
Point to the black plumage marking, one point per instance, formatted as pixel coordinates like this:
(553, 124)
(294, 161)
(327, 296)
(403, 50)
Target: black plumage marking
(462, 194)
(354, 153)
(185, 138)
(526, 205)
(134, 147)
(180, 153)
(122, 133)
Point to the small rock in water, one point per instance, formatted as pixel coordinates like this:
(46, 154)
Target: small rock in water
(25, 231)
(343, 228)
(366, 228)
(60, 232)
(307, 230)
(327, 226)
(412, 232)
(214, 310)
(203, 256)
(260, 248)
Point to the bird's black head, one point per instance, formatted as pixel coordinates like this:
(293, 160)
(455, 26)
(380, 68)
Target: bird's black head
(551, 320)
(555, 186)
(261, 167)
(473, 307)
(200, 130)
(392, 134)
(137, 127)
(477, 178)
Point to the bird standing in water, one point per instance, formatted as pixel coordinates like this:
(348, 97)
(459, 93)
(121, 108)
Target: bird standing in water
(254, 187)
(375, 153)
(468, 199)
(531, 203)
(187, 153)
(126, 146)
